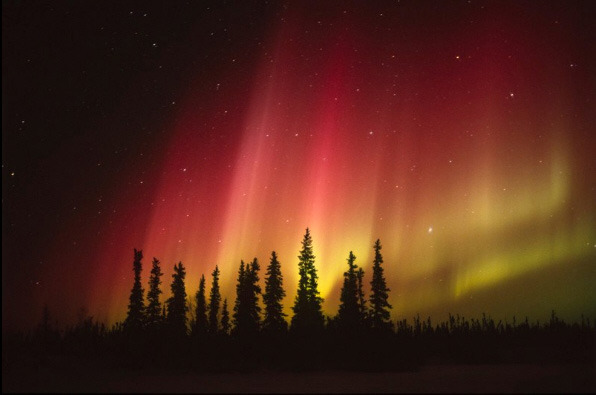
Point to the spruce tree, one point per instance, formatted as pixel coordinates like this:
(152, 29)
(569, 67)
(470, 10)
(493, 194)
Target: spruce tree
(274, 293)
(379, 306)
(246, 309)
(349, 310)
(308, 314)
(153, 305)
(239, 311)
(136, 308)
(199, 326)
(225, 318)
(253, 290)
(177, 302)
(301, 303)
(214, 300)
(362, 310)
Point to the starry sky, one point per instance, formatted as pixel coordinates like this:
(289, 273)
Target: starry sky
(460, 133)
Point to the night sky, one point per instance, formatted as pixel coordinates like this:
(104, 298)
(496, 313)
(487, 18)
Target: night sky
(460, 133)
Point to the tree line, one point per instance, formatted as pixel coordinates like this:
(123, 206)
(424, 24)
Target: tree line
(211, 333)
(211, 315)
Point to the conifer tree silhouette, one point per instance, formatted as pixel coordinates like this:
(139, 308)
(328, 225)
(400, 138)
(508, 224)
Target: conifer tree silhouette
(379, 306)
(199, 326)
(239, 309)
(225, 318)
(214, 300)
(153, 311)
(136, 308)
(362, 310)
(349, 309)
(274, 293)
(247, 310)
(177, 302)
(253, 290)
(308, 315)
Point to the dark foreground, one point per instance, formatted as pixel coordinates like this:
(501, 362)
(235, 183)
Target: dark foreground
(456, 356)
(74, 377)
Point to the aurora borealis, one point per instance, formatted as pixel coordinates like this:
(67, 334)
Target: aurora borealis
(459, 133)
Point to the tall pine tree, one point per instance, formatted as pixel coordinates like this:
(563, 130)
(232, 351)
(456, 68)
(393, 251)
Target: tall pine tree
(225, 318)
(379, 306)
(308, 314)
(274, 293)
(200, 325)
(136, 307)
(362, 310)
(247, 309)
(239, 310)
(177, 302)
(214, 300)
(253, 290)
(153, 311)
(349, 310)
